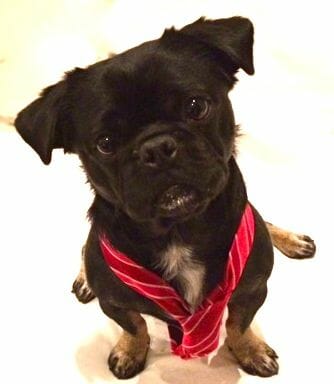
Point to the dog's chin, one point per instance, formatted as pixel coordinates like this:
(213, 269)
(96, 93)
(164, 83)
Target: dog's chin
(178, 203)
(175, 204)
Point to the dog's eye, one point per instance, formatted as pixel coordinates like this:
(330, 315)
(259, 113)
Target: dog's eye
(197, 108)
(104, 145)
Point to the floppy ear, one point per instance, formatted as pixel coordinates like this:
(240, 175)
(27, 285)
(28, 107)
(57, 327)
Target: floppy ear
(40, 123)
(233, 36)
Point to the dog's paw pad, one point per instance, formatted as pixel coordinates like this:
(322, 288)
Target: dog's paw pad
(82, 291)
(262, 362)
(123, 365)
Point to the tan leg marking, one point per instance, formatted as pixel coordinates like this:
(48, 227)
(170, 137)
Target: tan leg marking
(80, 286)
(128, 357)
(252, 353)
(291, 244)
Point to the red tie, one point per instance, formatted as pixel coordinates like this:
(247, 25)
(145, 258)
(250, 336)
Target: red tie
(192, 334)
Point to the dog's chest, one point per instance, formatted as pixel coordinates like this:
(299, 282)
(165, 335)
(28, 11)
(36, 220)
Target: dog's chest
(179, 265)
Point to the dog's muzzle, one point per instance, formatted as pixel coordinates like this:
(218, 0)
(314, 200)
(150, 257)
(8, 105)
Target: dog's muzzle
(173, 174)
(160, 153)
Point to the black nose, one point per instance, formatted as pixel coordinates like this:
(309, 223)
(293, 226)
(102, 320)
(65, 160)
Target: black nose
(157, 151)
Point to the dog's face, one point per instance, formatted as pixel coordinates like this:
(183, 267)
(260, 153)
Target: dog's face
(153, 126)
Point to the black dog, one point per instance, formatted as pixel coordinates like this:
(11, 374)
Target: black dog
(155, 131)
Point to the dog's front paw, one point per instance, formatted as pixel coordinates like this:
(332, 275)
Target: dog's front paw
(82, 290)
(259, 361)
(253, 354)
(125, 365)
(128, 357)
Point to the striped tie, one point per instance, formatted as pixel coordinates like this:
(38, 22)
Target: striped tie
(192, 334)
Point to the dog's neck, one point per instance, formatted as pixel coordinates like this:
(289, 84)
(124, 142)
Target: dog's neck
(189, 251)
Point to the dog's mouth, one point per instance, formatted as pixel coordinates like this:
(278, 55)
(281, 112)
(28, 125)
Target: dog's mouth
(178, 201)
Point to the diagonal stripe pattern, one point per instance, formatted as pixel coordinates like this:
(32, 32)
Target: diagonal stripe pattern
(192, 334)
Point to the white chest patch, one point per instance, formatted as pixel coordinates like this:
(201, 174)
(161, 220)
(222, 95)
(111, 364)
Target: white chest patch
(177, 262)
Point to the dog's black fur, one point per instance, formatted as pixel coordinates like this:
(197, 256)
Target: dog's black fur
(155, 131)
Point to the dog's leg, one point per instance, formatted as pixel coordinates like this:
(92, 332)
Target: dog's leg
(80, 286)
(128, 357)
(291, 244)
(252, 353)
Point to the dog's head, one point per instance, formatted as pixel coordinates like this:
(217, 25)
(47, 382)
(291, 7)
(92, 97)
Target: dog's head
(153, 126)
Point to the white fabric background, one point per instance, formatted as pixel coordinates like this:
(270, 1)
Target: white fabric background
(287, 115)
